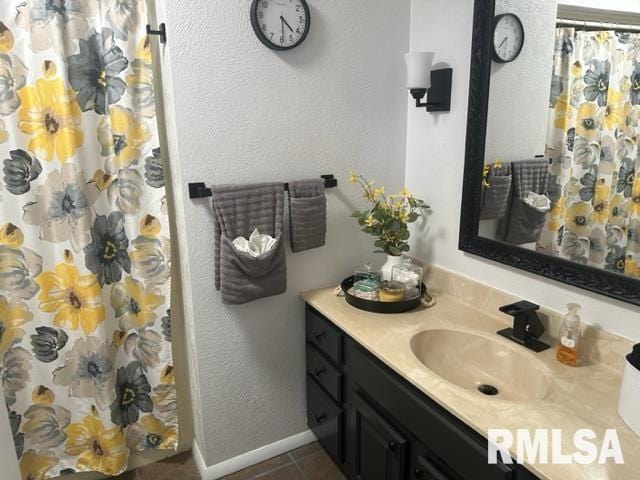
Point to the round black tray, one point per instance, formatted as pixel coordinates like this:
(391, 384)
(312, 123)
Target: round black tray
(380, 307)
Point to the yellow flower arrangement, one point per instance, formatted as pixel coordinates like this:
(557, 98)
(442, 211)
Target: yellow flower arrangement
(97, 448)
(388, 216)
(75, 299)
(51, 116)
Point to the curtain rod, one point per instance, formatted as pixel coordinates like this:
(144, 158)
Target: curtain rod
(563, 22)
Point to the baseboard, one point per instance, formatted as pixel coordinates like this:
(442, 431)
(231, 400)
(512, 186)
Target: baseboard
(250, 458)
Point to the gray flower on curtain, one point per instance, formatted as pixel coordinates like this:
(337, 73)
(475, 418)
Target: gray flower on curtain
(14, 374)
(45, 424)
(626, 177)
(166, 326)
(125, 191)
(597, 82)
(145, 346)
(13, 76)
(635, 85)
(19, 171)
(93, 72)
(589, 182)
(18, 268)
(87, 369)
(47, 342)
(18, 438)
(571, 138)
(615, 260)
(132, 395)
(125, 16)
(106, 256)
(154, 170)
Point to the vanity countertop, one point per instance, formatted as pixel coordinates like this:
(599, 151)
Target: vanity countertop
(585, 397)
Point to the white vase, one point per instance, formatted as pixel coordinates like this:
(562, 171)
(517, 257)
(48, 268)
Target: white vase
(392, 261)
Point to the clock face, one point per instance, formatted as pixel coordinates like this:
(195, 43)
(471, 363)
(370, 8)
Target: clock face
(508, 38)
(280, 24)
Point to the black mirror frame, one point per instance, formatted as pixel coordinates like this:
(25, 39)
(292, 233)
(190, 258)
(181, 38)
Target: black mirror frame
(593, 279)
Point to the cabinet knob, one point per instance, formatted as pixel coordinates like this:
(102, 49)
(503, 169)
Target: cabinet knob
(320, 335)
(321, 418)
(418, 473)
(320, 371)
(392, 446)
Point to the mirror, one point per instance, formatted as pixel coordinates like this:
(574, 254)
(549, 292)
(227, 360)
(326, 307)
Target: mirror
(552, 175)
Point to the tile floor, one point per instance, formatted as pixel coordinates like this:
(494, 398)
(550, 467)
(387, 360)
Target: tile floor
(305, 463)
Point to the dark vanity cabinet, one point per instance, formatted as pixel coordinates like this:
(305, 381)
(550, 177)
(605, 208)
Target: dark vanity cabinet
(377, 426)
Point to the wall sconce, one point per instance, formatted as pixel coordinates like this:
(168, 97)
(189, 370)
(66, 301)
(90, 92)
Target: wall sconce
(423, 80)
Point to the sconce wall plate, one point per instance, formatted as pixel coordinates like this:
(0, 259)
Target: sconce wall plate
(439, 95)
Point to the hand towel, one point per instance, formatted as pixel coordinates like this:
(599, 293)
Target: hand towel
(307, 214)
(497, 196)
(239, 210)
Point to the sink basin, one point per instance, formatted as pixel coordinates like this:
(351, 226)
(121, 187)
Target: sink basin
(489, 367)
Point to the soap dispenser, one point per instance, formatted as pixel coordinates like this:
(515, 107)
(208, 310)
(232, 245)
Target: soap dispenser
(569, 337)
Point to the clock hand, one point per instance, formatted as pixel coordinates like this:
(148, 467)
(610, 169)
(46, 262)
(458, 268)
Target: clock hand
(282, 24)
(286, 23)
(503, 42)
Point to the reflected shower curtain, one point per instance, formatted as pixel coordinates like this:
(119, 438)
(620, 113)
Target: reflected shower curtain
(85, 338)
(594, 130)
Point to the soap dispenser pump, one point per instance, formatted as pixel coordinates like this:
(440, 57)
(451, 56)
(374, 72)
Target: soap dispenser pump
(569, 337)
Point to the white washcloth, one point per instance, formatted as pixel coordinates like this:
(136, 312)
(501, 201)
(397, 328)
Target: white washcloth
(257, 244)
(540, 202)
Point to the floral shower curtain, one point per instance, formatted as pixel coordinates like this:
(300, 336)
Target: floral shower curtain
(594, 130)
(85, 337)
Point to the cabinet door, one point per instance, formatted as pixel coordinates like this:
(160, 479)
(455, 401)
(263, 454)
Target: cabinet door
(380, 450)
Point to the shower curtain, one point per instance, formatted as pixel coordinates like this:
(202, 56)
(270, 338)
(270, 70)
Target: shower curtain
(592, 143)
(86, 365)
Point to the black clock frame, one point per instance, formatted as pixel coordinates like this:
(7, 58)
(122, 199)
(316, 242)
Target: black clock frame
(496, 56)
(596, 280)
(265, 41)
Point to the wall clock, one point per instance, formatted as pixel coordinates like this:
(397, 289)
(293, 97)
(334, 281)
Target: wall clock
(508, 38)
(280, 24)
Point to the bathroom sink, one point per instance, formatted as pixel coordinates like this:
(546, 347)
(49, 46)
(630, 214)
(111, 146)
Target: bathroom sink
(480, 364)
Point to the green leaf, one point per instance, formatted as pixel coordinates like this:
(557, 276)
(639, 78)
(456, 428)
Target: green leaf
(413, 217)
(404, 235)
(356, 214)
(405, 247)
(394, 251)
(381, 243)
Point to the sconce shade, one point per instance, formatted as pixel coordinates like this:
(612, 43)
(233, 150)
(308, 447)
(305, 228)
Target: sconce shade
(419, 66)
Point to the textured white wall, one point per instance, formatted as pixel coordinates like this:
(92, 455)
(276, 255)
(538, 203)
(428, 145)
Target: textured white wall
(435, 162)
(246, 114)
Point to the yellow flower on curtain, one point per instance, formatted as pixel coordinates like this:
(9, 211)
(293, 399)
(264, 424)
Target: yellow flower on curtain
(634, 208)
(601, 203)
(632, 268)
(588, 122)
(579, 218)
(36, 465)
(75, 299)
(6, 39)
(97, 448)
(121, 136)
(556, 215)
(618, 211)
(51, 116)
(4, 134)
(151, 433)
(134, 304)
(13, 315)
(616, 111)
(563, 112)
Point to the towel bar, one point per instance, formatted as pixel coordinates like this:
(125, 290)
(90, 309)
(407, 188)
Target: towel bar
(200, 190)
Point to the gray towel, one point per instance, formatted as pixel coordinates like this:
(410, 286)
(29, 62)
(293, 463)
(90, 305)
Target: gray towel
(525, 223)
(307, 214)
(497, 196)
(239, 209)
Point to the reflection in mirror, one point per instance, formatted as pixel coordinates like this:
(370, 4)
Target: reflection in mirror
(562, 163)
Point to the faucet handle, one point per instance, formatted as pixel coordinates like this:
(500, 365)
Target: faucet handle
(519, 308)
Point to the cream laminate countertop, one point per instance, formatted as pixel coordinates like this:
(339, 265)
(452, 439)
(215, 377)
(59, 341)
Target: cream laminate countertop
(585, 397)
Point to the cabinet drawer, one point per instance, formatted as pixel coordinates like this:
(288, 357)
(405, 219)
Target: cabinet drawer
(324, 373)
(321, 333)
(325, 420)
(452, 442)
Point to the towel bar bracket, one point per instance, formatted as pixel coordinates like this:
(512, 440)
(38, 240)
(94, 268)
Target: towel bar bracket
(200, 190)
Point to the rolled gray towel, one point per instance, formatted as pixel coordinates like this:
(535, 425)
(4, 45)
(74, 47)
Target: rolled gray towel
(307, 214)
(239, 209)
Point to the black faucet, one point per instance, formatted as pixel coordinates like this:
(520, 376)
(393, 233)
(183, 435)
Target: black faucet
(527, 327)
